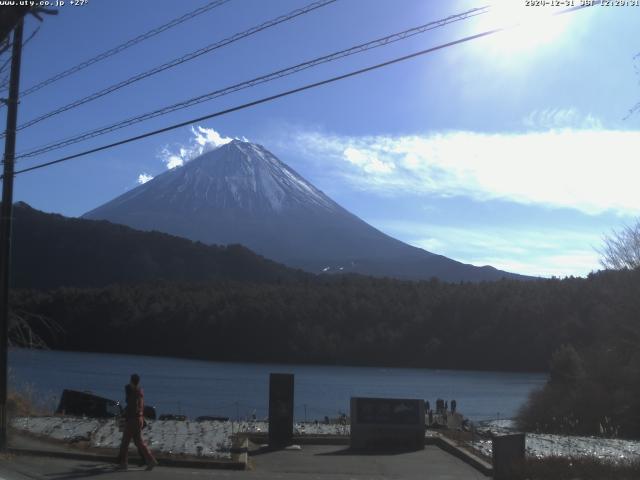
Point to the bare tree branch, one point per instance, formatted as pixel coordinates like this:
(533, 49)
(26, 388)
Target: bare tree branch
(5, 45)
(621, 249)
(21, 331)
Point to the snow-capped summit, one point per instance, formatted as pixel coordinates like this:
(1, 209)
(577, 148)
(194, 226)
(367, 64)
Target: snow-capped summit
(247, 176)
(241, 193)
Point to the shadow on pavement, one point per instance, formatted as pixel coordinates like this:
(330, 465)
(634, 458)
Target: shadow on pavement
(346, 451)
(83, 471)
(349, 451)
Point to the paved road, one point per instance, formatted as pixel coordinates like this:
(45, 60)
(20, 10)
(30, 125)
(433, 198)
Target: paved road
(313, 462)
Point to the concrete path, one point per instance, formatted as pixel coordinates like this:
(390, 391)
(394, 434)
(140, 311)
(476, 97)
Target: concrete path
(319, 462)
(337, 462)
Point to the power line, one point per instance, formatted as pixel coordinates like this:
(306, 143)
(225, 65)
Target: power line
(123, 46)
(24, 44)
(260, 101)
(178, 61)
(257, 81)
(4, 82)
(280, 95)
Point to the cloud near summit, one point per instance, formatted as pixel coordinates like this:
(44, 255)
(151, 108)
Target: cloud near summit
(591, 170)
(202, 140)
(144, 178)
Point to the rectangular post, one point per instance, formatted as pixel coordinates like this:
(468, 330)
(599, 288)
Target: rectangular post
(280, 409)
(508, 455)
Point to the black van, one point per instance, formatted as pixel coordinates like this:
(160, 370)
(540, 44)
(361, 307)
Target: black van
(84, 404)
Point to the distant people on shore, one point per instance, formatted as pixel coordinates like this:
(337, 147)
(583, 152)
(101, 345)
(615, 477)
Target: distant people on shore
(343, 419)
(134, 421)
(441, 413)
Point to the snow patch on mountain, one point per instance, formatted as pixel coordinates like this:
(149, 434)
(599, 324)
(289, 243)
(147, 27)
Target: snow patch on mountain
(281, 179)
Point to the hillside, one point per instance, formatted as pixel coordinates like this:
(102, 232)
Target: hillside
(50, 250)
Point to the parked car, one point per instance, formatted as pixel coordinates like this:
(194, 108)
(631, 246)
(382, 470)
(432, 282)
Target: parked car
(149, 412)
(85, 404)
(211, 418)
(171, 416)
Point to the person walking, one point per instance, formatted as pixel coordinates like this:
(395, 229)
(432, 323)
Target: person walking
(134, 420)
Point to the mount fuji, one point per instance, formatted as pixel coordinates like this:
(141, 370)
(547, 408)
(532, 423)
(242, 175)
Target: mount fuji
(240, 193)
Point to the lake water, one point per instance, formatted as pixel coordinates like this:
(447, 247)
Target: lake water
(197, 388)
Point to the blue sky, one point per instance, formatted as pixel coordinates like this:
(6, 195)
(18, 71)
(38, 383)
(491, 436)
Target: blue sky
(514, 150)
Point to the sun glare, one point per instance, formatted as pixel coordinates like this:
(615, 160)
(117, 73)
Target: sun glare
(527, 28)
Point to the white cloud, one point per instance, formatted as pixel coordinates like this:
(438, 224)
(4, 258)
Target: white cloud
(208, 138)
(369, 162)
(171, 160)
(589, 170)
(203, 140)
(144, 178)
(560, 118)
(537, 252)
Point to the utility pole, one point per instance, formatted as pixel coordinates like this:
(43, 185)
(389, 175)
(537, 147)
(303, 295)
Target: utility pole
(5, 223)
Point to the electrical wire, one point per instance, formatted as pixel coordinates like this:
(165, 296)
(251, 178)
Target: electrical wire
(258, 102)
(280, 95)
(4, 82)
(24, 44)
(124, 46)
(256, 81)
(178, 61)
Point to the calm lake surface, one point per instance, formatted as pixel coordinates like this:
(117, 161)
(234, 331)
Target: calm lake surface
(197, 388)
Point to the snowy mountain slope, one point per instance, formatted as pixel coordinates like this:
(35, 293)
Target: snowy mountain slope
(241, 193)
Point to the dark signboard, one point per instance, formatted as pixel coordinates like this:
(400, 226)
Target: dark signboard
(387, 411)
(280, 409)
(387, 424)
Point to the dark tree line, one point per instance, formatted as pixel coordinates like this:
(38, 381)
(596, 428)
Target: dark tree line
(603, 398)
(593, 388)
(505, 325)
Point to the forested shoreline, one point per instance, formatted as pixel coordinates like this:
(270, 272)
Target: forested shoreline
(153, 294)
(506, 325)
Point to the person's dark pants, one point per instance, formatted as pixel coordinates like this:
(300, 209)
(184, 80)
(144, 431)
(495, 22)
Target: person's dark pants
(133, 431)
